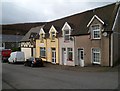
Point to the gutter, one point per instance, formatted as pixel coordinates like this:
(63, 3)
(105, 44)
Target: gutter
(111, 50)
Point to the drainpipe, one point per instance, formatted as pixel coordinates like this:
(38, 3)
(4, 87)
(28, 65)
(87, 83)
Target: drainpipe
(111, 47)
(46, 49)
(74, 51)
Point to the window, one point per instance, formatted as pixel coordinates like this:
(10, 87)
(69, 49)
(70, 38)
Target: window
(52, 36)
(41, 37)
(70, 54)
(66, 35)
(96, 55)
(42, 52)
(95, 31)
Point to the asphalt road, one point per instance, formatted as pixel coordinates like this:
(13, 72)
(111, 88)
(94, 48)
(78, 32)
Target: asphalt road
(17, 76)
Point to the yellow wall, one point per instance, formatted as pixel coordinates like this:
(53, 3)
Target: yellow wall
(38, 45)
(49, 52)
(48, 45)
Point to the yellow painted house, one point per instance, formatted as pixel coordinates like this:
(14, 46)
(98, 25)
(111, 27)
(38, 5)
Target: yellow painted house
(47, 46)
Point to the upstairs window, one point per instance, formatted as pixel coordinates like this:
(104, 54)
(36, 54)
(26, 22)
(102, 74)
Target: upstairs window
(41, 37)
(52, 36)
(96, 34)
(66, 35)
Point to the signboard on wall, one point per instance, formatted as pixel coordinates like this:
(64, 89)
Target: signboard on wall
(41, 45)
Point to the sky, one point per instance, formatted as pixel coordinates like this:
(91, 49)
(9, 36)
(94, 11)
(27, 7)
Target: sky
(25, 11)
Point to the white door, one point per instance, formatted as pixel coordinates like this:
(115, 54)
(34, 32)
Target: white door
(81, 57)
(27, 52)
(64, 56)
(53, 55)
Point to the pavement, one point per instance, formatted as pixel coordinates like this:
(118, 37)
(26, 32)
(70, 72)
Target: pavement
(95, 68)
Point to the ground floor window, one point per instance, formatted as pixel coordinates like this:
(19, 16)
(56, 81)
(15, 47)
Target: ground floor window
(42, 52)
(96, 55)
(70, 54)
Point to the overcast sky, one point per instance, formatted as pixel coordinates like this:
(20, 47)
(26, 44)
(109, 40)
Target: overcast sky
(22, 11)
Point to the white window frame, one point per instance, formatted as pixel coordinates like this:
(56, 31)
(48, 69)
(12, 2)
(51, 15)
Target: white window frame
(67, 35)
(68, 29)
(96, 30)
(53, 35)
(92, 55)
(44, 50)
(42, 37)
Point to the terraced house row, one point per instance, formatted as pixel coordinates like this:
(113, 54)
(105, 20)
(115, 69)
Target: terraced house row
(87, 38)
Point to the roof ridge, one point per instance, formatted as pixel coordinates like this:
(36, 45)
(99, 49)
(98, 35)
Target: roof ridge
(82, 12)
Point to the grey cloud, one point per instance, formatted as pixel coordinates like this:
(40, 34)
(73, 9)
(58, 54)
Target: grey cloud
(40, 11)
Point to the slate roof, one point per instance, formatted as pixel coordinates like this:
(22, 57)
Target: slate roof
(35, 31)
(79, 21)
(21, 28)
(10, 38)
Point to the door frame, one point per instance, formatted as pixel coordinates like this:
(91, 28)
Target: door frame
(79, 56)
(64, 62)
(53, 51)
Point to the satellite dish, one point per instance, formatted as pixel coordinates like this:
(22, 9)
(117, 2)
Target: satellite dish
(105, 34)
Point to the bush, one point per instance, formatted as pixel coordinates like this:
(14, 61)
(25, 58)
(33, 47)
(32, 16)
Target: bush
(16, 49)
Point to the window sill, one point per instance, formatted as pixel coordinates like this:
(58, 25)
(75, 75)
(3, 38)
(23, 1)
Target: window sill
(52, 40)
(96, 39)
(41, 41)
(70, 60)
(96, 63)
(66, 41)
(43, 57)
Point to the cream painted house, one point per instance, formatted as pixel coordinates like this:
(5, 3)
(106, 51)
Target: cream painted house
(47, 45)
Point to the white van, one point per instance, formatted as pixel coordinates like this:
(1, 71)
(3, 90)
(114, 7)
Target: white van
(16, 57)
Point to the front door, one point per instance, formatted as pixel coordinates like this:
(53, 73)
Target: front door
(53, 55)
(64, 56)
(81, 57)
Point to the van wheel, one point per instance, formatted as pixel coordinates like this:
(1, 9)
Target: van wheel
(8, 62)
(25, 64)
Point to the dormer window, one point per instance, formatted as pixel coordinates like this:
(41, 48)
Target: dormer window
(95, 25)
(66, 30)
(42, 37)
(95, 32)
(66, 35)
(31, 36)
(52, 33)
(52, 36)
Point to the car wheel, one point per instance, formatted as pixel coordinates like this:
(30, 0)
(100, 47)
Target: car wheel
(13, 62)
(31, 65)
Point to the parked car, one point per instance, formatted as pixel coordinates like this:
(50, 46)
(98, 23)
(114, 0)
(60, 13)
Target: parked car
(16, 57)
(33, 62)
(5, 54)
